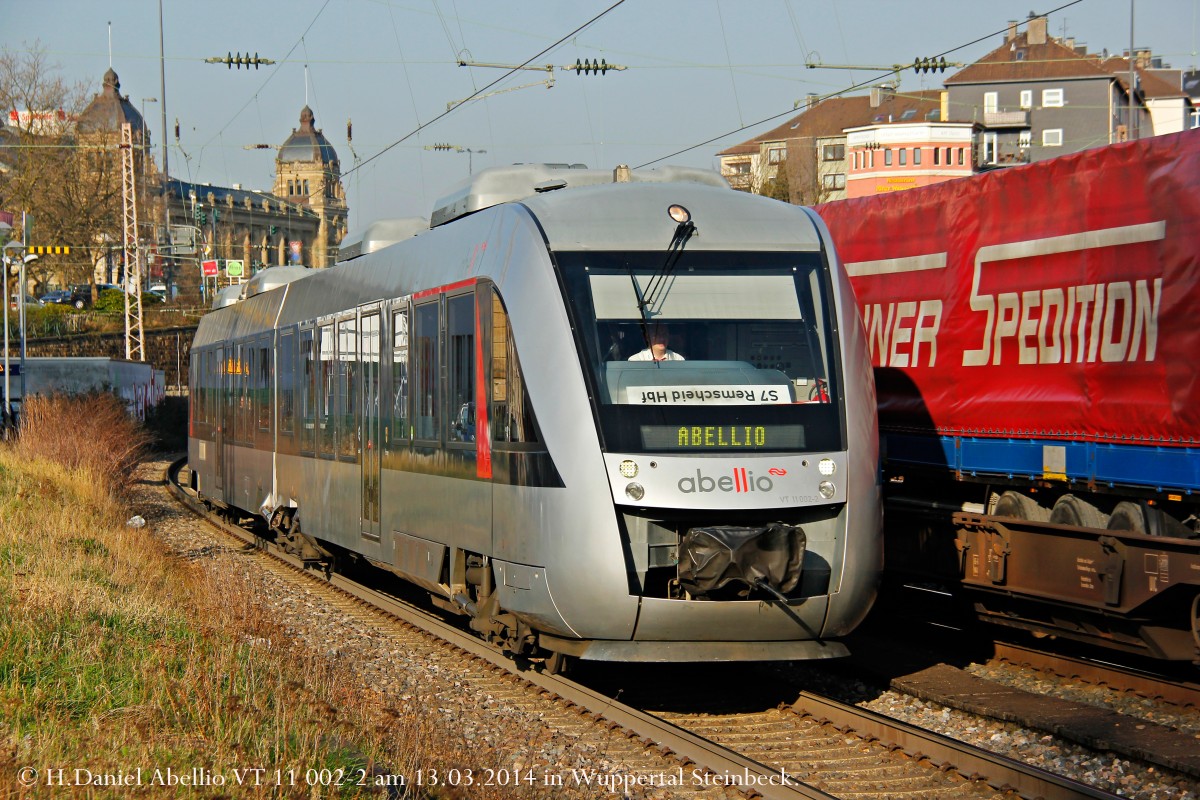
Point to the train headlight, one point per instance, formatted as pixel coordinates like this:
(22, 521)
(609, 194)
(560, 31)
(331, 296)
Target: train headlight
(827, 466)
(635, 491)
(679, 213)
(826, 489)
(629, 469)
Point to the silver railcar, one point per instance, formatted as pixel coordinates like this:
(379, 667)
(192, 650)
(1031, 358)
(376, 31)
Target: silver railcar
(619, 416)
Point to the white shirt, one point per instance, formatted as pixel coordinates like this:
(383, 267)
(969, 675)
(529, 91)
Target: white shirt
(648, 355)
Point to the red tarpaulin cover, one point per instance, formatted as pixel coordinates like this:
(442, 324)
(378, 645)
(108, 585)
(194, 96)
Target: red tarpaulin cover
(1054, 300)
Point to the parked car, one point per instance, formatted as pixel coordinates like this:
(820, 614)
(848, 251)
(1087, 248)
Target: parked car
(57, 297)
(30, 301)
(81, 296)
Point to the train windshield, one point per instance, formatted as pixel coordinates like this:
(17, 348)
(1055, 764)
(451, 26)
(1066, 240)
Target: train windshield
(725, 352)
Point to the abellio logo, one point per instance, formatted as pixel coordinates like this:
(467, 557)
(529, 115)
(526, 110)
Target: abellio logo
(742, 480)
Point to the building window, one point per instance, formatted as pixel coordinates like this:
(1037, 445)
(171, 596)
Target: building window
(776, 154)
(1052, 98)
(1026, 98)
(887, 157)
(961, 158)
(1024, 139)
(937, 156)
(740, 168)
(916, 156)
(872, 154)
(991, 102)
(1052, 138)
(903, 156)
(833, 152)
(835, 180)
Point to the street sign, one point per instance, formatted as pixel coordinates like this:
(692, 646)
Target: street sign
(295, 246)
(183, 240)
(209, 268)
(233, 268)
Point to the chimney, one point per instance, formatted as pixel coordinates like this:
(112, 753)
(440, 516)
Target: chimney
(1069, 42)
(810, 99)
(1037, 30)
(1012, 30)
(876, 96)
(621, 174)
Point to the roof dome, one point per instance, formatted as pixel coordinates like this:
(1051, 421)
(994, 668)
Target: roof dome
(109, 110)
(307, 143)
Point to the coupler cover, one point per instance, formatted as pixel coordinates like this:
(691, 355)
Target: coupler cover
(710, 558)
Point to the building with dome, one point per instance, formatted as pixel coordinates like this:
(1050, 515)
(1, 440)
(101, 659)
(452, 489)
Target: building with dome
(308, 173)
(300, 220)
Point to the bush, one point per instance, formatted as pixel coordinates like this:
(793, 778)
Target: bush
(51, 319)
(111, 300)
(91, 432)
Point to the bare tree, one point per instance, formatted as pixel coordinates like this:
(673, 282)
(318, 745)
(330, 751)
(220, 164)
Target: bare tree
(70, 184)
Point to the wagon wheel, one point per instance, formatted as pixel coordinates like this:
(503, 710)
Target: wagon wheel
(558, 663)
(1196, 620)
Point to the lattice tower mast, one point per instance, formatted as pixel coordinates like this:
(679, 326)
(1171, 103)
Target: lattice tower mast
(135, 338)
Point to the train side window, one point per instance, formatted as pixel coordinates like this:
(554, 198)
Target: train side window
(262, 385)
(308, 394)
(287, 383)
(512, 413)
(400, 422)
(194, 402)
(425, 371)
(347, 387)
(325, 391)
(460, 331)
(241, 425)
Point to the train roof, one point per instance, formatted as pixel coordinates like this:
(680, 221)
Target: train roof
(496, 185)
(609, 217)
(378, 235)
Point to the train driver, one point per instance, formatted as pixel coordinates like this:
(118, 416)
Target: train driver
(658, 350)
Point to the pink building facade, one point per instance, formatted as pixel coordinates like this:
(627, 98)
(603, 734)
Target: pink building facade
(893, 156)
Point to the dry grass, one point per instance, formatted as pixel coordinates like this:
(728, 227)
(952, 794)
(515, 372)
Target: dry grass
(90, 433)
(116, 655)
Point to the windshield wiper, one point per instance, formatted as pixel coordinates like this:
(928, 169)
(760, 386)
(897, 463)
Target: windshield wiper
(655, 289)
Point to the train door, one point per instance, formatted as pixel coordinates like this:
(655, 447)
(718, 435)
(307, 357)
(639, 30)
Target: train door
(369, 419)
(219, 389)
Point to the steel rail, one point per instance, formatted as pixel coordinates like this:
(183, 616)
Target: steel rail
(1112, 675)
(728, 767)
(998, 771)
(766, 781)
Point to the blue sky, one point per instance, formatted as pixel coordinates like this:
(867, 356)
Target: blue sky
(697, 69)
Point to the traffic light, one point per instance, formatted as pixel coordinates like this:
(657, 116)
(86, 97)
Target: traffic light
(929, 64)
(273, 230)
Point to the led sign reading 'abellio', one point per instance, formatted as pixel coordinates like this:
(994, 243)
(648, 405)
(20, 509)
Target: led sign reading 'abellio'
(722, 437)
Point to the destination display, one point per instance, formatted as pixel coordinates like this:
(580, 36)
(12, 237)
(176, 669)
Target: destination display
(708, 395)
(722, 437)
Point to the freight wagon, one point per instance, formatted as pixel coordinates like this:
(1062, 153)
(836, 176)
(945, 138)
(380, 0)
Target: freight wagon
(1034, 341)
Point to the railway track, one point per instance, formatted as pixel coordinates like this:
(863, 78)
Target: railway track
(814, 747)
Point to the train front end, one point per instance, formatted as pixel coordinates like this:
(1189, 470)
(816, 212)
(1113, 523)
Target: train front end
(734, 410)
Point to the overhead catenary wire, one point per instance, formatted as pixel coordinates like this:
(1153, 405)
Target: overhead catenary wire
(482, 89)
(852, 87)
